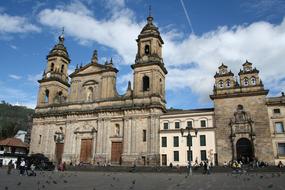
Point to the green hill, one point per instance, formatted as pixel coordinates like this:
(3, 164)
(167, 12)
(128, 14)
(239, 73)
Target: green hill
(14, 118)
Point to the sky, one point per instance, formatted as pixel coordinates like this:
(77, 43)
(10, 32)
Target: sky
(198, 36)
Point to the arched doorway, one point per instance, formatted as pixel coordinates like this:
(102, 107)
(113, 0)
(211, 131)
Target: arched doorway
(244, 149)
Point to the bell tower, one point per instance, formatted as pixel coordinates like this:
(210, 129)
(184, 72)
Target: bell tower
(54, 83)
(149, 70)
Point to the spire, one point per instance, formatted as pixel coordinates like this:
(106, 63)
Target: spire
(149, 18)
(129, 86)
(94, 57)
(61, 37)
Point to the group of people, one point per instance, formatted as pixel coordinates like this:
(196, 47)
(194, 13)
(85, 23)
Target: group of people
(23, 168)
(206, 165)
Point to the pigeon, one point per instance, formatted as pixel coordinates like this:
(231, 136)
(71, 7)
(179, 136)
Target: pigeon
(43, 186)
(134, 182)
(19, 183)
(64, 181)
(270, 186)
(54, 182)
(6, 188)
(169, 179)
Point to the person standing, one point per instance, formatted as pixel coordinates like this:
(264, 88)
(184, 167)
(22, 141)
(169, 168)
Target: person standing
(10, 166)
(22, 166)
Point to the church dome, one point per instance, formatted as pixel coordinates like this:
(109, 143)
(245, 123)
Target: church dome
(59, 49)
(150, 30)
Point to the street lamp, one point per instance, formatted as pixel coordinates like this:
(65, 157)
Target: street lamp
(189, 129)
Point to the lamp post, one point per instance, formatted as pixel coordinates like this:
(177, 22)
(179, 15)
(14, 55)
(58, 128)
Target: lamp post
(189, 129)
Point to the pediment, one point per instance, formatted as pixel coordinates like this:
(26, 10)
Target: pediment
(90, 69)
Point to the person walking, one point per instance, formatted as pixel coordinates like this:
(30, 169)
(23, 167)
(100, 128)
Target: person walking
(10, 167)
(208, 167)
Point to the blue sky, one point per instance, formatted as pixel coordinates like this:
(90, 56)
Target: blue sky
(228, 31)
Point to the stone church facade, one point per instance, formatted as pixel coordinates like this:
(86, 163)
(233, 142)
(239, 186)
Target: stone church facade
(81, 118)
(241, 116)
(86, 120)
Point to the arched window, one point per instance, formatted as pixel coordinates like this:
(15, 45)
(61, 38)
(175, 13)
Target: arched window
(145, 83)
(221, 84)
(89, 94)
(245, 82)
(253, 80)
(146, 49)
(52, 67)
(62, 68)
(228, 83)
(46, 95)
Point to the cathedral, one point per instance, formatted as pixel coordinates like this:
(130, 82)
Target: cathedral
(81, 118)
(86, 120)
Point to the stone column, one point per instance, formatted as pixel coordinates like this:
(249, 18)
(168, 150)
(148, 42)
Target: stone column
(133, 136)
(126, 141)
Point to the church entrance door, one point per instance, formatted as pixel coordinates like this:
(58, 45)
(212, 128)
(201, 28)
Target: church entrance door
(86, 150)
(244, 149)
(117, 149)
(58, 152)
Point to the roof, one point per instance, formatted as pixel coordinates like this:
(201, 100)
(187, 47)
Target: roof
(14, 142)
(280, 100)
(180, 111)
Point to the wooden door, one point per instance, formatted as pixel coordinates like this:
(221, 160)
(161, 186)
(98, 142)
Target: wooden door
(117, 149)
(164, 159)
(86, 150)
(58, 152)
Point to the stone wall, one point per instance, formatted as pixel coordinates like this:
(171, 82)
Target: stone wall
(256, 107)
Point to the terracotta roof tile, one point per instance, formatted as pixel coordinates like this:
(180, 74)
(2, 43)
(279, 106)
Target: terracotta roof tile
(13, 142)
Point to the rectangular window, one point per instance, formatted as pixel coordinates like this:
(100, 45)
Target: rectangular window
(165, 125)
(189, 124)
(176, 141)
(281, 149)
(163, 141)
(279, 128)
(276, 111)
(203, 155)
(203, 123)
(189, 140)
(176, 155)
(202, 140)
(177, 125)
(144, 135)
(191, 157)
(40, 139)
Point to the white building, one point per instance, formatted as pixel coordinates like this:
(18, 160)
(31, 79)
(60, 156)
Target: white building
(276, 113)
(173, 147)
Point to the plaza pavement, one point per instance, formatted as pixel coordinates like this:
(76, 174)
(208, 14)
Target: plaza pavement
(83, 180)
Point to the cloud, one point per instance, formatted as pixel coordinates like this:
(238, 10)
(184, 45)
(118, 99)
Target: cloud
(119, 32)
(16, 77)
(13, 47)
(16, 24)
(268, 8)
(261, 43)
(34, 78)
(16, 96)
(191, 60)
